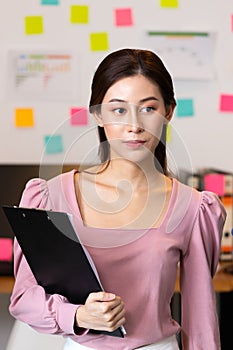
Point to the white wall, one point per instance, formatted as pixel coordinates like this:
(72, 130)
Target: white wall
(199, 141)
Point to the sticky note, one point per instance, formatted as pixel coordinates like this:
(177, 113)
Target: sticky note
(184, 107)
(24, 117)
(168, 134)
(226, 103)
(53, 144)
(232, 23)
(169, 3)
(215, 183)
(79, 14)
(99, 41)
(78, 116)
(49, 2)
(124, 17)
(34, 25)
(6, 245)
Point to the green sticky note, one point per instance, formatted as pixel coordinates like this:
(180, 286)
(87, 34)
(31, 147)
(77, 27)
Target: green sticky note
(99, 41)
(49, 2)
(34, 25)
(79, 14)
(184, 107)
(53, 144)
(169, 3)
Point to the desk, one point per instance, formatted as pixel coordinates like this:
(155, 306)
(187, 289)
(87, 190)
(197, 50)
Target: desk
(223, 282)
(6, 284)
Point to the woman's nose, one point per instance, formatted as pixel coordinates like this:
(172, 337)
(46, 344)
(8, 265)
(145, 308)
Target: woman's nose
(134, 124)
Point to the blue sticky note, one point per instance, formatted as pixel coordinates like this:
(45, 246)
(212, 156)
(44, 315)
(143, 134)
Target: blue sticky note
(49, 2)
(53, 144)
(184, 107)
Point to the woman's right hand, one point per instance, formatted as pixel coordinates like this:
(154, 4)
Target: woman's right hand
(101, 311)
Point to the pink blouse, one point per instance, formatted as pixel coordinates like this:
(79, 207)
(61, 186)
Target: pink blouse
(139, 265)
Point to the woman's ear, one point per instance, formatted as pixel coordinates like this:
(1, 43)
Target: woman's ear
(169, 112)
(98, 119)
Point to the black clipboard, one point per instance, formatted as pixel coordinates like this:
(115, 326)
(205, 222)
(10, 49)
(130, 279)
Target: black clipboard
(58, 260)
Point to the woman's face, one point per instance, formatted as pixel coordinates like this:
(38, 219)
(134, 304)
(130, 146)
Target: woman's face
(133, 114)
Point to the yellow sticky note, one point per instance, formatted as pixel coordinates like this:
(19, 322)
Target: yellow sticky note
(99, 41)
(79, 14)
(169, 3)
(24, 117)
(34, 25)
(168, 136)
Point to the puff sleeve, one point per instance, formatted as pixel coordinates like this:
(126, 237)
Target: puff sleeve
(29, 302)
(199, 319)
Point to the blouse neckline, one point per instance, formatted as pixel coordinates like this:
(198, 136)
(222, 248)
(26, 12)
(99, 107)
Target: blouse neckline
(76, 209)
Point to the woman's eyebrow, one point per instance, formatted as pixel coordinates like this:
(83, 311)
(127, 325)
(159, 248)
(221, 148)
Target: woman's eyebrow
(149, 98)
(116, 100)
(142, 100)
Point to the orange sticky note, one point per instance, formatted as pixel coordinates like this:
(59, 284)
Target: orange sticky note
(99, 41)
(6, 249)
(24, 117)
(123, 17)
(79, 116)
(226, 103)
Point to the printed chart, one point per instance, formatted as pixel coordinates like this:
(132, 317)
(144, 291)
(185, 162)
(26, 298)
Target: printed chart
(42, 75)
(187, 55)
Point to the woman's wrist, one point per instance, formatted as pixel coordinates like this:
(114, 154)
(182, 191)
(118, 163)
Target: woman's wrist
(78, 328)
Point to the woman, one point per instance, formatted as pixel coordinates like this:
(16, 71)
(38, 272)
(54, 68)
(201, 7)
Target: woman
(136, 221)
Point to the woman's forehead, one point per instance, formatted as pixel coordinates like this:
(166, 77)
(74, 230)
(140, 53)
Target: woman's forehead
(132, 89)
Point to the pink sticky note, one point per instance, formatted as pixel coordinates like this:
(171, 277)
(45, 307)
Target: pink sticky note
(79, 116)
(215, 183)
(123, 17)
(232, 23)
(5, 249)
(226, 103)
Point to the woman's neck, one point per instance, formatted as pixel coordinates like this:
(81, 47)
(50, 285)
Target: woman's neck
(137, 174)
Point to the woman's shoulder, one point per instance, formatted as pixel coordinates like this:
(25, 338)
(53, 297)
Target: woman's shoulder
(37, 192)
(190, 203)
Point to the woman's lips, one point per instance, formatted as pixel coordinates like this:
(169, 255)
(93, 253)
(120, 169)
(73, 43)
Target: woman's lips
(135, 143)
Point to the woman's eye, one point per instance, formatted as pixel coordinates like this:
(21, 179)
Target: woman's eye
(147, 109)
(119, 111)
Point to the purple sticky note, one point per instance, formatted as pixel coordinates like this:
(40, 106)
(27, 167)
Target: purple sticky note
(79, 116)
(6, 249)
(226, 103)
(215, 183)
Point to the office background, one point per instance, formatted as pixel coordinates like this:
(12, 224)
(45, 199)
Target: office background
(49, 50)
(38, 106)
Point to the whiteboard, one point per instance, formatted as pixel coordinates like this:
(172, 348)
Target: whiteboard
(198, 140)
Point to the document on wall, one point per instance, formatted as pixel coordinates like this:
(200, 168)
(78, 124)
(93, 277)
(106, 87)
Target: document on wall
(41, 75)
(187, 55)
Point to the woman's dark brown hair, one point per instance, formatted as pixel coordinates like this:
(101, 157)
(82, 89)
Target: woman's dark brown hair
(126, 63)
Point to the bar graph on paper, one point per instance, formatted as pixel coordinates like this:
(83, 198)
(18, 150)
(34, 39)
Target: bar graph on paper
(187, 55)
(42, 76)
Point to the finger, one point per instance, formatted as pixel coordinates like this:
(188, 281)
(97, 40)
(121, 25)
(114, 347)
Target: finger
(118, 312)
(116, 322)
(101, 296)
